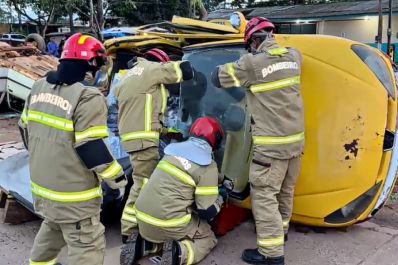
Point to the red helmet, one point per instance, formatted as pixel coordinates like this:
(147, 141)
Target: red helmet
(160, 55)
(256, 24)
(83, 47)
(209, 129)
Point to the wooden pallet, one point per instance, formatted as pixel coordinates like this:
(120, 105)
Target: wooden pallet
(14, 213)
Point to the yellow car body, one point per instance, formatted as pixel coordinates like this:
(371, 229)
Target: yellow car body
(349, 89)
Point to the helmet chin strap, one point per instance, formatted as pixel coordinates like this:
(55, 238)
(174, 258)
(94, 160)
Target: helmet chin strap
(69, 72)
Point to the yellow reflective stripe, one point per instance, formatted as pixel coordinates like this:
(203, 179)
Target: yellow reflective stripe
(271, 242)
(164, 98)
(278, 51)
(206, 190)
(92, 132)
(231, 72)
(176, 172)
(128, 218)
(50, 120)
(177, 222)
(148, 112)
(275, 85)
(191, 254)
(139, 135)
(113, 170)
(24, 117)
(268, 140)
(178, 72)
(83, 39)
(79, 196)
(285, 223)
(51, 262)
(144, 182)
(129, 210)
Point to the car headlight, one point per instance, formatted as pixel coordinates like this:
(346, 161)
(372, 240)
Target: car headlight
(354, 209)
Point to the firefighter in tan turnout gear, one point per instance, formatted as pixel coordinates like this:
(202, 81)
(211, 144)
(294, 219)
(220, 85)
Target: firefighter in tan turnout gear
(271, 75)
(63, 125)
(181, 196)
(142, 98)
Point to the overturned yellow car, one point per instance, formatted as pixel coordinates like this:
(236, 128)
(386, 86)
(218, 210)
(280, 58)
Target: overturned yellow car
(351, 155)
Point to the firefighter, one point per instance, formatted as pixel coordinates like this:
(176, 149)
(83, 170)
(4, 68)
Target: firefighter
(181, 196)
(63, 126)
(271, 75)
(142, 99)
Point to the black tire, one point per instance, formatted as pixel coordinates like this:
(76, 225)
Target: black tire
(41, 44)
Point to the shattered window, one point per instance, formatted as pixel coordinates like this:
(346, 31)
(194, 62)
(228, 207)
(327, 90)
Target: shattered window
(377, 65)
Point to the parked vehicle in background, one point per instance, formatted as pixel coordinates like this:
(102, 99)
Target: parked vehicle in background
(13, 39)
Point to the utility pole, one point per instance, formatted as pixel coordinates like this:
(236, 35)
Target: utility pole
(389, 30)
(380, 28)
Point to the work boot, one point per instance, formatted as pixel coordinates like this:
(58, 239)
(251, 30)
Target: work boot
(253, 256)
(132, 250)
(171, 253)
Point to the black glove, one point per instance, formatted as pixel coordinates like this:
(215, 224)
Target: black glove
(224, 193)
(228, 184)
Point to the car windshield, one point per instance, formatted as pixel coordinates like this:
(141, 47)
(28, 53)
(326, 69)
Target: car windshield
(200, 98)
(18, 37)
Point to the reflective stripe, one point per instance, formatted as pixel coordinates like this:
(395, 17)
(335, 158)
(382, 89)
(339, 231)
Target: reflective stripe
(139, 135)
(268, 140)
(178, 72)
(164, 93)
(144, 182)
(51, 262)
(79, 196)
(129, 210)
(275, 85)
(271, 242)
(24, 117)
(148, 112)
(231, 72)
(191, 254)
(285, 223)
(278, 51)
(129, 218)
(112, 171)
(177, 222)
(50, 120)
(206, 190)
(83, 39)
(92, 132)
(176, 172)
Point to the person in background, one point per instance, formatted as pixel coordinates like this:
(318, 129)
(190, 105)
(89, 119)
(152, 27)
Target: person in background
(52, 47)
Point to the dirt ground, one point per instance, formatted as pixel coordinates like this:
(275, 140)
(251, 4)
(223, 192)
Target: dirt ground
(370, 243)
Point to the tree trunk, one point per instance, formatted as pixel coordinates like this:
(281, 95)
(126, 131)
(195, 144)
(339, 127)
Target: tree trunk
(49, 19)
(100, 14)
(71, 24)
(92, 15)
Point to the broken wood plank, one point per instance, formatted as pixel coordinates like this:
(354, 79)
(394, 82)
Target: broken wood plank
(15, 213)
(3, 199)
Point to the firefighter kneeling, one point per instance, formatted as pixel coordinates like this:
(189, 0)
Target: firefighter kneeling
(180, 197)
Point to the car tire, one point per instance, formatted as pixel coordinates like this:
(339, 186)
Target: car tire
(41, 44)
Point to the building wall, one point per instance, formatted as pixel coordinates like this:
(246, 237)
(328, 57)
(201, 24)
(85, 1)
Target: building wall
(363, 30)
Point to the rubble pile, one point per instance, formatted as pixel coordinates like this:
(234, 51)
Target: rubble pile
(28, 61)
(8, 149)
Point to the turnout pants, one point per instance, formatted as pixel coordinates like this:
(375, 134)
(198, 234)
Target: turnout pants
(144, 163)
(272, 188)
(196, 240)
(85, 241)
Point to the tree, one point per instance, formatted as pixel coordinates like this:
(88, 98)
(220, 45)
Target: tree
(44, 11)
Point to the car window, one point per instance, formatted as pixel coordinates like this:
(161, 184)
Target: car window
(377, 65)
(18, 37)
(199, 97)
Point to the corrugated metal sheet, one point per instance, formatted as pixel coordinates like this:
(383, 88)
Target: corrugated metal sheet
(310, 11)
